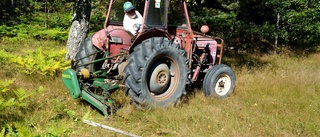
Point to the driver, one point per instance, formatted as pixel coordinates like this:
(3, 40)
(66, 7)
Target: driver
(131, 17)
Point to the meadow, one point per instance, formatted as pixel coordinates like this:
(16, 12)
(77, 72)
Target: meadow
(275, 95)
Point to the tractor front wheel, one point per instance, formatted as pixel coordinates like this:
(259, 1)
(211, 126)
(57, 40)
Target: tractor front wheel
(156, 73)
(219, 81)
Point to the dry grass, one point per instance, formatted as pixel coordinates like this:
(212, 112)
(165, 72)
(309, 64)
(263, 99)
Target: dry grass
(274, 96)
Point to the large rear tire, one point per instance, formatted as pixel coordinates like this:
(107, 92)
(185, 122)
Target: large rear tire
(219, 81)
(156, 73)
(82, 57)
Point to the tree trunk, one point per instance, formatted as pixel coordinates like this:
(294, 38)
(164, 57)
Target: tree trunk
(277, 33)
(79, 27)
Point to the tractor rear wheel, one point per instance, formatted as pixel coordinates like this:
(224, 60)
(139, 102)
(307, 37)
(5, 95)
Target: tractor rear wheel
(156, 73)
(83, 56)
(219, 81)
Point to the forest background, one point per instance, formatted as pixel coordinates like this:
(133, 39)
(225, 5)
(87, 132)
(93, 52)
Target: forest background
(272, 45)
(248, 25)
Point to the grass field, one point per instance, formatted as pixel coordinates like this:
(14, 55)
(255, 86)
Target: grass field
(275, 95)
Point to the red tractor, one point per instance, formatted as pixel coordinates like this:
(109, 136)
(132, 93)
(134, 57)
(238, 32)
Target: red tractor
(155, 66)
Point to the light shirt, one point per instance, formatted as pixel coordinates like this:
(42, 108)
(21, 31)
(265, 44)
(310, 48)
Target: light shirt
(129, 22)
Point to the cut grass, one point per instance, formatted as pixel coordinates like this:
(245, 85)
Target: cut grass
(274, 96)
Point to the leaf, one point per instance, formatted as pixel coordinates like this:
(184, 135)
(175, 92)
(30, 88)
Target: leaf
(19, 60)
(86, 116)
(9, 102)
(41, 89)
(22, 131)
(21, 94)
(70, 113)
(2, 132)
(10, 132)
(5, 84)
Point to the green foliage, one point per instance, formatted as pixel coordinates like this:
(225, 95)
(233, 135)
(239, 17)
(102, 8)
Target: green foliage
(14, 99)
(226, 21)
(302, 25)
(71, 114)
(86, 116)
(2, 133)
(44, 61)
(10, 132)
(7, 101)
(254, 26)
(15, 130)
(97, 16)
(294, 23)
(17, 99)
(15, 33)
(52, 20)
(27, 31)
(12, 12)
(4, 85)
(54, 33)
(22, 131)
(57, 129)
(20, 12)
(247, 24)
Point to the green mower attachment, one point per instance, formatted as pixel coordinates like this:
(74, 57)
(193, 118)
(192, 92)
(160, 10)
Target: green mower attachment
(70, 80)
(80, 85)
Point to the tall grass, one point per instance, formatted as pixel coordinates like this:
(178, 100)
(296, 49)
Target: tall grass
(274, 96)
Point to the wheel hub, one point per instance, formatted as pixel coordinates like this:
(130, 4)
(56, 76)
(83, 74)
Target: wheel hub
(159, 79)
(223, 85)
(162, 78)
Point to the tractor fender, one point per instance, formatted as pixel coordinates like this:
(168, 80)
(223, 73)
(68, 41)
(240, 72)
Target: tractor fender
(117, 36)
(149, 34)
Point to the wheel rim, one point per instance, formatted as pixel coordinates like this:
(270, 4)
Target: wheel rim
(223, 84)
(163, 78)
